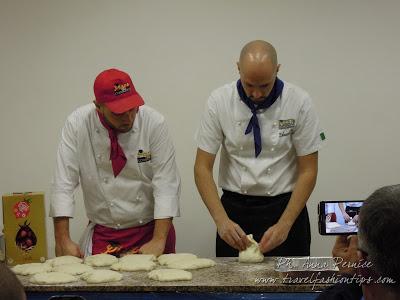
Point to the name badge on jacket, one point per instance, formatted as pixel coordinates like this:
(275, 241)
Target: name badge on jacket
(143, 156)
(286, 127)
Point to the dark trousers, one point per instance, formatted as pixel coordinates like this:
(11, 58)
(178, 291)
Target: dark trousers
(255, 214)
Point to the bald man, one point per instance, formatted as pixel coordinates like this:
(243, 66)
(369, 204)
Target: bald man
(269, 135)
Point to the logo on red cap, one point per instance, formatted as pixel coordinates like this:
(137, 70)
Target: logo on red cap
(121, 88)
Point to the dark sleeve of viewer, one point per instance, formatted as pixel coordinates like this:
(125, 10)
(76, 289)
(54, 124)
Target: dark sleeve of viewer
(10, 287)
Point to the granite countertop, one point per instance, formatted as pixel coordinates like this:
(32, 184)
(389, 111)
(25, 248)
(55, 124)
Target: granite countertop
(227, 276)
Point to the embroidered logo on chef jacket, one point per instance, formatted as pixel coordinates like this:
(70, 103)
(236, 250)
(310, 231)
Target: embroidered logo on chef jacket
(286, 127)
(121, 88)
(143, 156)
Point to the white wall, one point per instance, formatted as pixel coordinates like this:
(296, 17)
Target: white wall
(345, 53)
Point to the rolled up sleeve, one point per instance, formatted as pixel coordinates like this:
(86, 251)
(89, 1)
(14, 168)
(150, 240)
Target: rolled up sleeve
(166, 181)
(66, 175)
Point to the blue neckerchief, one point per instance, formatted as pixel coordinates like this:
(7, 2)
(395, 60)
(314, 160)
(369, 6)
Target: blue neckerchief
(254, 107)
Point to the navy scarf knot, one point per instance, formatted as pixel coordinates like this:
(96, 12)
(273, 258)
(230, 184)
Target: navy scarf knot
(254, 107)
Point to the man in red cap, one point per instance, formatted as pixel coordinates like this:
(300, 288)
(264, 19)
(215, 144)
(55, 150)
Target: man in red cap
(124, 160)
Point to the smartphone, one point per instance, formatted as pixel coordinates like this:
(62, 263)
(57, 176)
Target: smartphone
(339, 217)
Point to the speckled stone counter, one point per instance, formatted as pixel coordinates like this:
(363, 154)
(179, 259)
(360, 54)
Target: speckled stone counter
(228, 276)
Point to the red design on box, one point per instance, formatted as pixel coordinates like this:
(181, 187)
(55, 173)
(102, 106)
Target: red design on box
(22, 209)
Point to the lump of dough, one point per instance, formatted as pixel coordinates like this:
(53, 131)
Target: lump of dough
(170, 275)
(134, 266)
(64, 260)
(164, 259)
(101, 260)
(73, 269)
(137, 257)
(191, 263)
(135, 262)
(101, 276)
(52, 278)
(252, 254)
(31, 269)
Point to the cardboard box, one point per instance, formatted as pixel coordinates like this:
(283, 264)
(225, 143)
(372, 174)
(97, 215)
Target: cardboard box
(24, 228)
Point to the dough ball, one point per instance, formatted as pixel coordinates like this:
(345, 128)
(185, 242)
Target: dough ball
(73, 269)
(137, 257)
(191, 263)
(101, 260)
(170, 275)
(252, 254)
(101, 276)
(164, 259)
(64, 260)
(31, 269)
(52, 278)
(132, 266)
(135, 262)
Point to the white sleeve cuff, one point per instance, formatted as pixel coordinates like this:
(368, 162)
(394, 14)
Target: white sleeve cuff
(166, 207)
(61, 205)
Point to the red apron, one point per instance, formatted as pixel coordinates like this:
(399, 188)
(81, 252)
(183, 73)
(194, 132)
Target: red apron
(129, 240)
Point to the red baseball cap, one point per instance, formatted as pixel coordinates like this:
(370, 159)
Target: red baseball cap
(115, 89)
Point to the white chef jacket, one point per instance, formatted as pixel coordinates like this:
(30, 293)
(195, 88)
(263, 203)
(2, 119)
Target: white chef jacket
(289, 128)
(147, 188)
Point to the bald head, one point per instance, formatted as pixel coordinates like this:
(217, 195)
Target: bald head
(258, 51)
(258, 67)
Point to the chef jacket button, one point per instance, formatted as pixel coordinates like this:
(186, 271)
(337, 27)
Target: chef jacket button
(268, 193)
(140, 221)
(239, 123)
(118, 225)
(97, 130)
(272, 149)
(98, 156)
(105, 180)
(269, 170)
(244, 191)
(138, 198)
(111, 204)
(241, 147)
(275, 123)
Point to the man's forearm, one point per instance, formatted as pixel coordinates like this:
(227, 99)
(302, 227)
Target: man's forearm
(303, 188)
(61, 228)
(64, 244)
(209, 193)
(161, 229)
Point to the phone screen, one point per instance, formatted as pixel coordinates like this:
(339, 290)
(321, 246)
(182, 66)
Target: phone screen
(339, 217)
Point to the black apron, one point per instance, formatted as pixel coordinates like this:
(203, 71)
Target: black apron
(255, 214)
